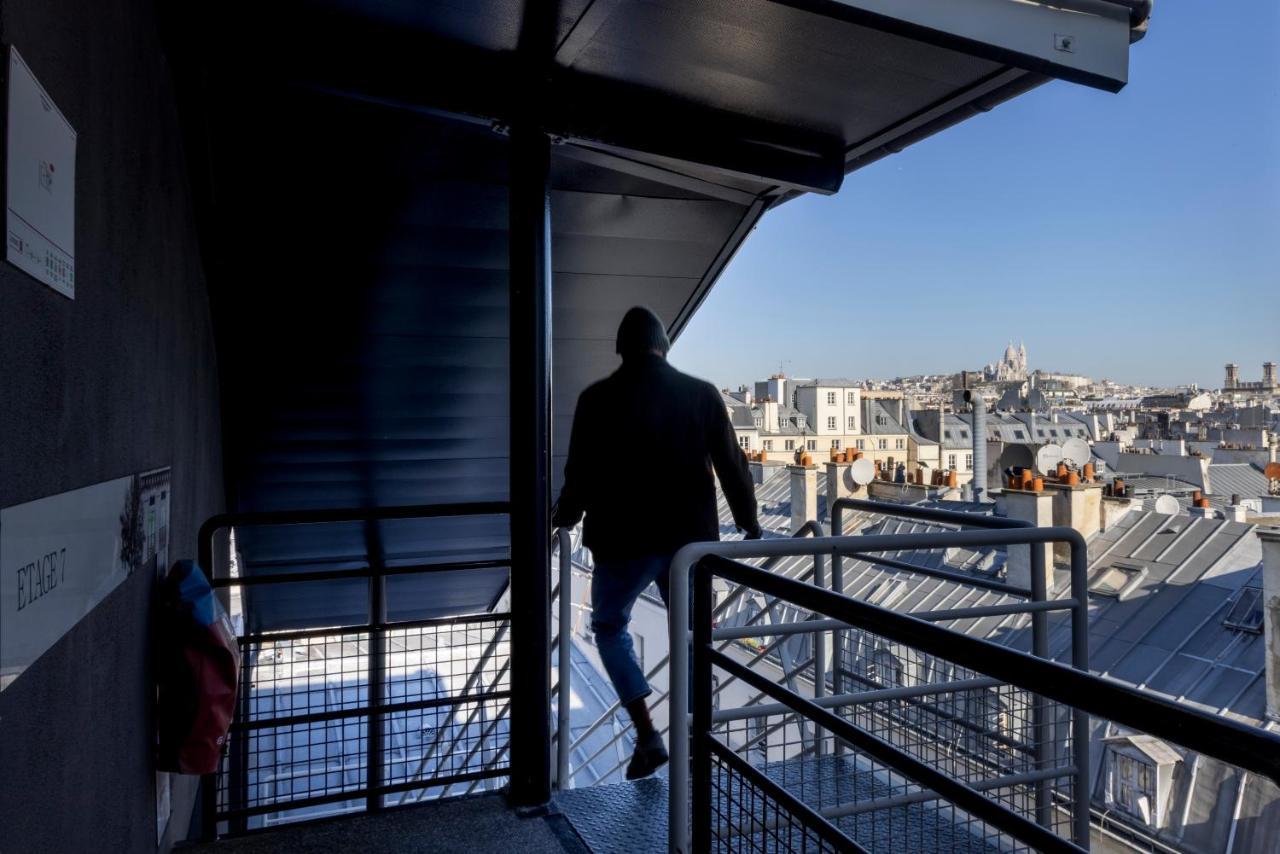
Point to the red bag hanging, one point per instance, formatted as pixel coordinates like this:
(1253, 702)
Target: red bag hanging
(197, 667)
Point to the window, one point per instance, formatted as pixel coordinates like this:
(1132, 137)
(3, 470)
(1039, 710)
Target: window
(900, 443)
(884, 443)
(968, 462)
(964, 434)
(884, 669)
(745, 442)
(813, 444)
(852, 424)
(831, 398)
(1018, 434)
(791, 445)
(835, 444)
(1053, 433)
(1246, 610)
(1040, 433)
(831, 422)
(1118, 580)
(862, 445)
(1131, 785)
(951, 464)
(768, 444)
(946, 434)
(853, 398)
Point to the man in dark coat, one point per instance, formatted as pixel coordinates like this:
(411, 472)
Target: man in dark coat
(644, 446)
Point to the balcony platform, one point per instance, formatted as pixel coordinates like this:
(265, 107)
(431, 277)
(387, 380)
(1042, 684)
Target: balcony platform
(468, 825)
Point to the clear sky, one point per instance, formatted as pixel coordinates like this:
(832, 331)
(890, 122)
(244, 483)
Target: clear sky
(1133, 236)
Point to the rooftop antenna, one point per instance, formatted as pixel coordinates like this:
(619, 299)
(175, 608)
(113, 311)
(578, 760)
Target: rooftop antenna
(1076, 452)
(1048, 457)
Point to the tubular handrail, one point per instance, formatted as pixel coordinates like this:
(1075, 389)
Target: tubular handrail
(564, 665)
(1038, 593)
(1247, 747)
(687, 557)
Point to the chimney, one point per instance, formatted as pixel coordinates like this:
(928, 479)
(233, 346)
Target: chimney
(1036, 508)
(840, 485)
(1269, 374)
(804, 494)
(1233, 376)
(1078, 506)
(1270, 538)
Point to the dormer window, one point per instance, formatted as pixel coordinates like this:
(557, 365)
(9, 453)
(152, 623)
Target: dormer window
(1138, 776)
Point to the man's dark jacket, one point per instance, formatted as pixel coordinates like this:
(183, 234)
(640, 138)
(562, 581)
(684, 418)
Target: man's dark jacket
(645, 441)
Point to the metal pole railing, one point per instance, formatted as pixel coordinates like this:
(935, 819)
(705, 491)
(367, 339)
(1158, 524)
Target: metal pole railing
(1038, 593)
(564, 731)
(836, 547)
(1248, 747)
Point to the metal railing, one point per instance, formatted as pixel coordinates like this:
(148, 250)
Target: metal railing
(565, 747)
(911, 744)
(316, 705)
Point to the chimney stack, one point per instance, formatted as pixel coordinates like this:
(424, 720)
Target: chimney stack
(840, 485)
(1035, 507)
(1271, 617)
(1076, 505)
(804, 494)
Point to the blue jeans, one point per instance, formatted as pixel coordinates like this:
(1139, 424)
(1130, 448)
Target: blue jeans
(615, 586)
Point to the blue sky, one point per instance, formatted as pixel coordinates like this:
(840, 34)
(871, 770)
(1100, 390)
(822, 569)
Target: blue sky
(1134, 236)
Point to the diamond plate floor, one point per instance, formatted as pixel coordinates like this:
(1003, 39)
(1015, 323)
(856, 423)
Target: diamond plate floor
(632, 817)
(624, 818)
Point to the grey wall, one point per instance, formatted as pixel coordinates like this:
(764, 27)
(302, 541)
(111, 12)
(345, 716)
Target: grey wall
(120, 380)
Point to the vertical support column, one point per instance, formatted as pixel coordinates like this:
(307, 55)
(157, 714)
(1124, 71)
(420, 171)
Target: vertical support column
(374, 776)
(530, 464)
(1079, 717)
(819, 653)
(701, 741)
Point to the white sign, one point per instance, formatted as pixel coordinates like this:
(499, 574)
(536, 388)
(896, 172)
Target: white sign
(60, 556)
(41, 183)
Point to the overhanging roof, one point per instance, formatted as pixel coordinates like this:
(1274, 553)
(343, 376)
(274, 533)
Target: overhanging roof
(351, 163)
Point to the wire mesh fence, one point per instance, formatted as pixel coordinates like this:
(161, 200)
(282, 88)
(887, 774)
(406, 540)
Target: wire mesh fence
(433, 695)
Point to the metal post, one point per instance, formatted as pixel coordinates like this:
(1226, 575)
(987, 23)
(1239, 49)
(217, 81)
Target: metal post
(1079, 717)
(837, 638)
(564, 729)
(530, 463)
(1040, 708)
(376, 663)
(701, 769)
(819, 653)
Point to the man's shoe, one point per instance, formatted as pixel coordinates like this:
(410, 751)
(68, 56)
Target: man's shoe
(650, 755)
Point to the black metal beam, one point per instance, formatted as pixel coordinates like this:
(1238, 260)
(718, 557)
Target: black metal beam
(529, 271)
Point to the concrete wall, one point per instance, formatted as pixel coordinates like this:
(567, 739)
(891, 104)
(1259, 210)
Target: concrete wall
(120, 380)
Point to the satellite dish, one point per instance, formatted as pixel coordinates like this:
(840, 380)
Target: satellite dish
(1047, 458)
(863, 471)
(1167, 505)
(1076, 452)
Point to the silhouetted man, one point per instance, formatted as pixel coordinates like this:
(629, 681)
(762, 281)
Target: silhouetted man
(645, 441)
